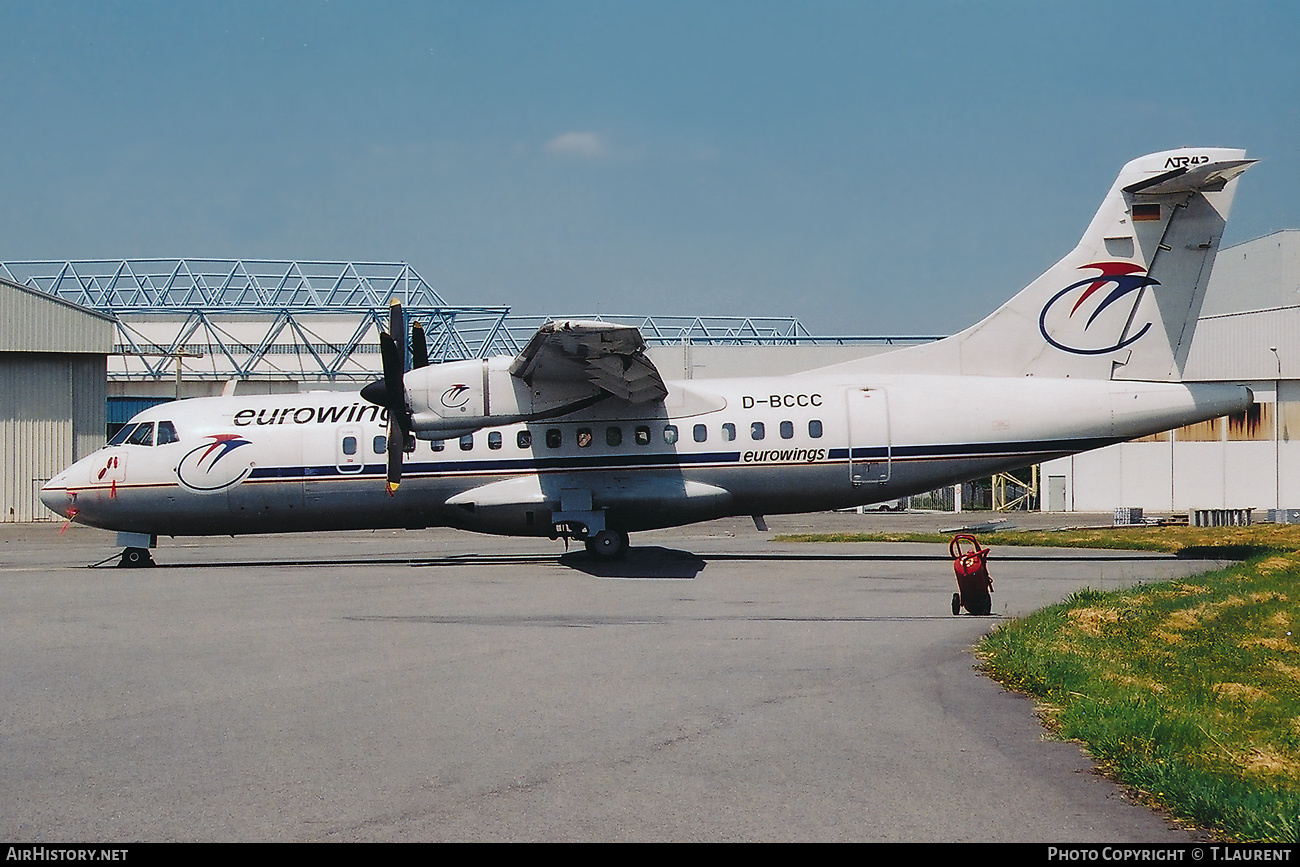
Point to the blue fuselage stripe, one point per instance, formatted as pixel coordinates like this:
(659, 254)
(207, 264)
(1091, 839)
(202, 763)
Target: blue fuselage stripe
(689, 459)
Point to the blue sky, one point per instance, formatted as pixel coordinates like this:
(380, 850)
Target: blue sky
(866, 167)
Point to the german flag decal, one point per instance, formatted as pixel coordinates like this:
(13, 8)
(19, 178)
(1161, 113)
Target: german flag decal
(1142, 213)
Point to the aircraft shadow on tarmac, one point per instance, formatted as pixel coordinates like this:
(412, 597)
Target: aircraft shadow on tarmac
(648, 562)
(659, 562)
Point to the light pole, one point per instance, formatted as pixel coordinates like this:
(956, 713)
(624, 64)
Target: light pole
(1277, 432)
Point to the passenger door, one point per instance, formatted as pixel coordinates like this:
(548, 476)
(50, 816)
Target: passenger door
(870, 451)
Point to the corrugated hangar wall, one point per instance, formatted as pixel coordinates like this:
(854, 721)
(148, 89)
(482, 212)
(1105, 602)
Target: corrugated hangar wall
(54, 368)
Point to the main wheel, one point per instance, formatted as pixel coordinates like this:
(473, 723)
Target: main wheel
(607, 544)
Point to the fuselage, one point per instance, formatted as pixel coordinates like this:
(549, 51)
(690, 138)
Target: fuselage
(808, 442)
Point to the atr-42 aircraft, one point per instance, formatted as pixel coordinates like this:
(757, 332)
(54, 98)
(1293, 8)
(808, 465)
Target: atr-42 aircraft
(579, 436)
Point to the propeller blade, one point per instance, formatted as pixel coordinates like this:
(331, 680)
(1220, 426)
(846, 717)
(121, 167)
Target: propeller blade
(394, 390)
(419, 348)
(397, 328)
(399, 424)
(396, 442)
(394, 401)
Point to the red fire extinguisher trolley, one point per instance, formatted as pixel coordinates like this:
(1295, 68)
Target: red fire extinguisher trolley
(974, 585)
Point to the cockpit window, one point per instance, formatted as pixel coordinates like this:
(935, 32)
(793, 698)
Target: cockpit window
(167, 433)
(142, 435)
(121, 435)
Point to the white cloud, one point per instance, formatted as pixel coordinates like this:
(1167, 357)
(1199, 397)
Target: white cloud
(587, 145)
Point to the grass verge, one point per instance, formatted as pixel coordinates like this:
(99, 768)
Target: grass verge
(1223, 543)
(1187, 691)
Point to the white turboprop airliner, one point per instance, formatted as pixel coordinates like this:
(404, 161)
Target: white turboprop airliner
(579, 436)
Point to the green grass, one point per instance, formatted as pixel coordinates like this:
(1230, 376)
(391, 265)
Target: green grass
(1187, 691)
(1227, 543)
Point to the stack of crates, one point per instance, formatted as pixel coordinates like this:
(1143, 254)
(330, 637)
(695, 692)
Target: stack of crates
(1127, 516)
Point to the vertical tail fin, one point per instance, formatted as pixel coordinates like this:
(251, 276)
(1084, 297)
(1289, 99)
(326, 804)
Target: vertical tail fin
(1123, 304)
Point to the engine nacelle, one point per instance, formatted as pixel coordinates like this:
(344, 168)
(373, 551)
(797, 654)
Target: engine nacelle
(459, 397)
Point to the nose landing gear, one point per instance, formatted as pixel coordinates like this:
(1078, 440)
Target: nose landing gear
(135, 549)
(134, 558)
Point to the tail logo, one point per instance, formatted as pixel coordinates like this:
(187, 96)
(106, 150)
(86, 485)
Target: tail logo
(1083, 320)
(202, 468)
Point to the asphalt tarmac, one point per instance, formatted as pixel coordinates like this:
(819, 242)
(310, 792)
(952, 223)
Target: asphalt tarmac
(442, 686)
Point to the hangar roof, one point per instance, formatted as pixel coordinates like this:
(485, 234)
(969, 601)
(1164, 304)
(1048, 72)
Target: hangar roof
(33, 321)
(1256, 275)
(1249, 327)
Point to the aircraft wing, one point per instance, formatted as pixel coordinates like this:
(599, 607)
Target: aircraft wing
(607, 355)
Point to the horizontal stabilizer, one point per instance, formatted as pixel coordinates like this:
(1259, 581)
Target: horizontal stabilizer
(1208, 177)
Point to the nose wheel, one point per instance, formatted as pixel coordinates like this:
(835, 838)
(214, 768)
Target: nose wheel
(134, 558)
(607, 544)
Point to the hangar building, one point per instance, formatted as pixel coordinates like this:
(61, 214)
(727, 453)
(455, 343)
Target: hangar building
(53, 363)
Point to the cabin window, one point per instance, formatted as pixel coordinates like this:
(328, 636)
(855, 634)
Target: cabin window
(467, 442)
(349, 445)
(494, 439)
(670, 433)
(700, 432)
(787, 430)
(553, 438)
(584, 437)
(524, 439)
(380, 445)
(729, 432)
(613, 436)
(142, 435)
(167, 433)
(815, 429)
(437, 445)
(757, 431)
(642, 435)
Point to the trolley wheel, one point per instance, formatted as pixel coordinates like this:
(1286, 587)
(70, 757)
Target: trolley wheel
(956, 603)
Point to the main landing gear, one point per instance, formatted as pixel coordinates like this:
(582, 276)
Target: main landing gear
(607, 544)
(576, 519)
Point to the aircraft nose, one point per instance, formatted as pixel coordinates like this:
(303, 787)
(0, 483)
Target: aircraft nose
(55, 496)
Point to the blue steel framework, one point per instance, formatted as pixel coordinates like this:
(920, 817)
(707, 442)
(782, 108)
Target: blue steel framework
(251, 318)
